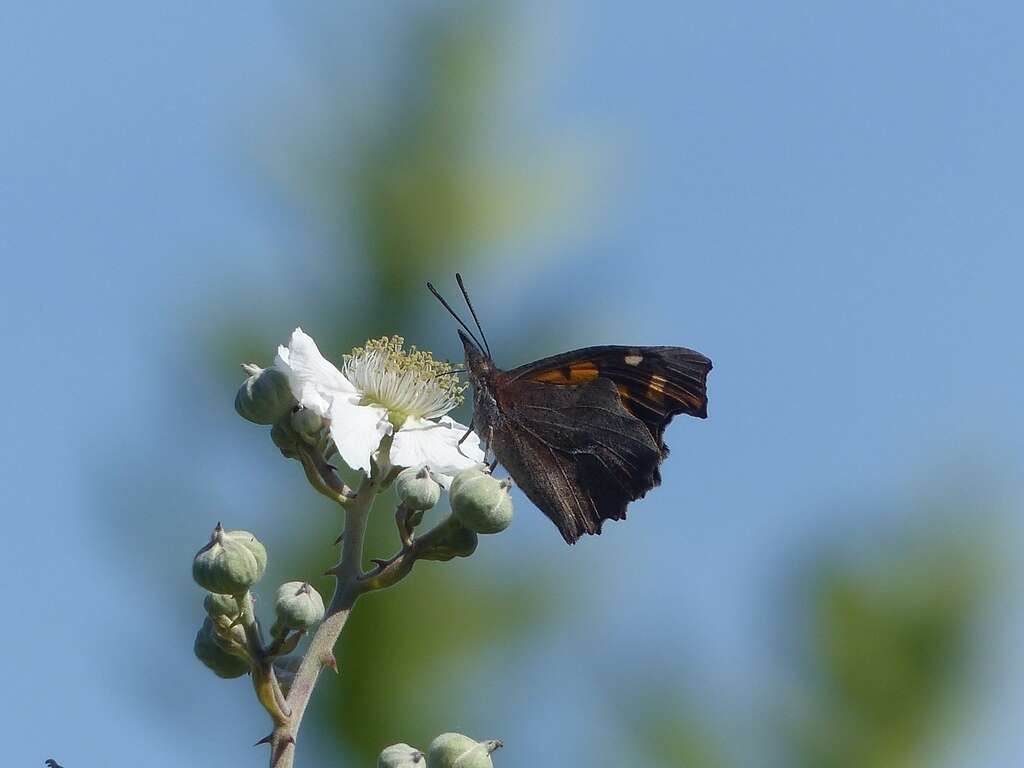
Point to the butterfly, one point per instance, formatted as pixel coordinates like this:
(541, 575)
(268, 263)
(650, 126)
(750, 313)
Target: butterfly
(581, 433)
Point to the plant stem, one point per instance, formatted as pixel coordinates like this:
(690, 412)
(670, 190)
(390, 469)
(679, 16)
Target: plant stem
(321, 646)
(268, 691)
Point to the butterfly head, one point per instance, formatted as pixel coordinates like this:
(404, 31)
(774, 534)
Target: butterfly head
(481, 371)
(478, 362)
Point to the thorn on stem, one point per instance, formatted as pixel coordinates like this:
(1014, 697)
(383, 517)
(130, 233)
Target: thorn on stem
(269, 738)
(341, 537)
(330, 661)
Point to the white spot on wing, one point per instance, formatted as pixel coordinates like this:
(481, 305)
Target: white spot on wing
(633, 359)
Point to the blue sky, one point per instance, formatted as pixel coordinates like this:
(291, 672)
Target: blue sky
(824, 198)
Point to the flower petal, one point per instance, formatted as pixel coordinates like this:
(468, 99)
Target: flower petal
(436, 445)
(357, 431)
(314, 380)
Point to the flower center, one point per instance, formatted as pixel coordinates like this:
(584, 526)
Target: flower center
(407, 383)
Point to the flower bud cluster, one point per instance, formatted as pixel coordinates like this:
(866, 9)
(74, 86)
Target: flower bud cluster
(449, 750)
(227, 567)
(480, 504)
(266, 398)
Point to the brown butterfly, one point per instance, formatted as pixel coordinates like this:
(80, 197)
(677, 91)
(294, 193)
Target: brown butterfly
(581, 432)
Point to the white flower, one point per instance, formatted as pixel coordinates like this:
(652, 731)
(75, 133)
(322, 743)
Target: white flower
(383, 389)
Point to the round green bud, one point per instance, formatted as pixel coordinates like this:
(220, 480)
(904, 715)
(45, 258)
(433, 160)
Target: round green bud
(209, 651)
(448, 539)
(416, 489)
(481, 502)
(307, 425)
(286, 440)
(453, 750)
(231, 563)
(265, 397)
(463, 477)
(401, 756)
(220, 605)
(298, 606)
(230, 636)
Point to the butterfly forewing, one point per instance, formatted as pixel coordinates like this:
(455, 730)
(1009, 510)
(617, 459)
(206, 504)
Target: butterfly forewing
(654, 383)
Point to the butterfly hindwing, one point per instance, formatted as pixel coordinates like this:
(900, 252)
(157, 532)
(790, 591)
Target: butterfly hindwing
(576, 451)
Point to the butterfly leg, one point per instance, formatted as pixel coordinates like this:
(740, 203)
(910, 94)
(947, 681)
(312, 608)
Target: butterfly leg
(467, 433)
(487, 448)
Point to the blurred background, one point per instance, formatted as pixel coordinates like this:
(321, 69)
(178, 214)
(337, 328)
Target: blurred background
(825, 199)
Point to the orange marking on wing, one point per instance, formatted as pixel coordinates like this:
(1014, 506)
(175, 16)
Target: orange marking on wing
(629, 396)
(656, 388)
(577, 373)
(656, 395)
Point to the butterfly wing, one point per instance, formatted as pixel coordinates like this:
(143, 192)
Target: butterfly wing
(576, 451)
(581, 433)
(654, 383)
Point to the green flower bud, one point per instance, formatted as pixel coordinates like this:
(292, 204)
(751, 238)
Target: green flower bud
(285, 440)
(401, 756)
(220, 605)
(307, 425)
(208, 649)
(416, 489)
(231, 563)
(453, 750)
(481, 502)
(265, 397)
(229, 635)
(449, 539)
(298, 606)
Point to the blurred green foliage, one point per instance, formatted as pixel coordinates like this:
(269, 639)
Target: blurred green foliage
(666, 724)
(883, 646)
(889, 649)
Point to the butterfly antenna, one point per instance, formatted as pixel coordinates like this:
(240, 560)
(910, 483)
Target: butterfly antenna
(465, 295)
(453, 372)
(446, 305)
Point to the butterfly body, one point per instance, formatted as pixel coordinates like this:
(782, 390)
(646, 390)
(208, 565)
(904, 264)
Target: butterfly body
(582, 432)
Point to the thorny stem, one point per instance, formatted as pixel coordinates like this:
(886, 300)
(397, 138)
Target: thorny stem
(351, 582)
(321, 647)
